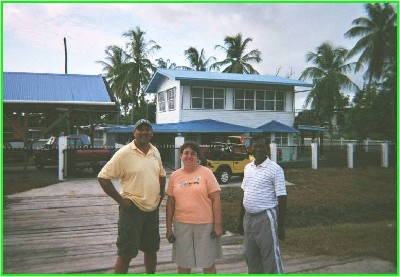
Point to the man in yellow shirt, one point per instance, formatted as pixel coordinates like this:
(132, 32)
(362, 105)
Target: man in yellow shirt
(139, 169)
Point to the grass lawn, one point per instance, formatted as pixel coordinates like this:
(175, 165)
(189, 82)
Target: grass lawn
(335, 211)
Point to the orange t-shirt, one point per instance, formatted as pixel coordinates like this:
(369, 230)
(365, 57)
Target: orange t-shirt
(191, 192)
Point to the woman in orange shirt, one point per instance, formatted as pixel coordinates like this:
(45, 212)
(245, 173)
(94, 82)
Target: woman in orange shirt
(194, 211)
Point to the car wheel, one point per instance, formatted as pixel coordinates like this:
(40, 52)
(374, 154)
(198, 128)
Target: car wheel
(224, 175)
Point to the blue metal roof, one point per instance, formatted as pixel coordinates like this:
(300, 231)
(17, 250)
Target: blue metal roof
(276, 127)
(55, 88)
(206, 76)
(195, 126)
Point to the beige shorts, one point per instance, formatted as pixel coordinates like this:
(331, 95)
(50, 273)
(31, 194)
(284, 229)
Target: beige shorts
(194, 246)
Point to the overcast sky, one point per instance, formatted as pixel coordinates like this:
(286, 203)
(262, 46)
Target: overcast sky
(284, 33)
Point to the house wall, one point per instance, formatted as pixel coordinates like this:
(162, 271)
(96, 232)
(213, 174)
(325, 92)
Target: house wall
(253, 118)
(229, 115)
(169, 116)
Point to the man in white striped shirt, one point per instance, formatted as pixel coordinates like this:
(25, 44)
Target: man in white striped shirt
(263, 211)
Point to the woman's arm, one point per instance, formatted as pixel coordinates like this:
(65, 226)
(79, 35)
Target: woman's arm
(216, 208)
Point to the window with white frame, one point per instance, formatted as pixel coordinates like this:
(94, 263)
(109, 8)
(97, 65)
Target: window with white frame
(261, 100)
(281, 138)
(161, 101)
(171, 99)
(244, 99)
(208, 98)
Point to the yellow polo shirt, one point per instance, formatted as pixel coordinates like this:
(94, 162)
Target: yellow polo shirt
(138, 174)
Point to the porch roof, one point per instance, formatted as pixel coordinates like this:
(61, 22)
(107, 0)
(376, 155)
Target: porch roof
(195, 126)
(277, 127)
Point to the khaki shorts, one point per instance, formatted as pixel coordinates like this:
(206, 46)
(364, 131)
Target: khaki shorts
(194, 246)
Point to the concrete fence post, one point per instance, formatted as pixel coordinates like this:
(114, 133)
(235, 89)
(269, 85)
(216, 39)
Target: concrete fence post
(350, 155)
(385, 154)
(62, 161)
(178, 143)
(365, 143)
(314, 155)
(274, 152)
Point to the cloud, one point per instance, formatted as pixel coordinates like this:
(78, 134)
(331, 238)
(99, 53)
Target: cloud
(284, 33)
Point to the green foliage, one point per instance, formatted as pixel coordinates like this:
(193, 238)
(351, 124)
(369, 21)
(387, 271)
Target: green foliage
(237, 61)
(378, 36)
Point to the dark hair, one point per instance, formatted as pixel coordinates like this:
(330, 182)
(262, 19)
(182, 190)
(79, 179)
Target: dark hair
(191, 144)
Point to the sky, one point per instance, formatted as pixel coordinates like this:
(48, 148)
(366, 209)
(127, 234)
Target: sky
(284, 33)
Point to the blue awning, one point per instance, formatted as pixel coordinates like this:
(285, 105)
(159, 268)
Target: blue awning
(195, 126)
(312, 128)
(276, 127)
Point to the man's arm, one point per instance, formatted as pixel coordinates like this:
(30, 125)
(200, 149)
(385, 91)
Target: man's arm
(110, 190)
(282, 206)
(241, 215)
(163, 180)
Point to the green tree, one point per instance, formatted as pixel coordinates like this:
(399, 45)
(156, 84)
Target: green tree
(198, 60)
(161, 63)
(115, 74)
(377, 43)
(328, 73)
(237, 61)
(140, 69)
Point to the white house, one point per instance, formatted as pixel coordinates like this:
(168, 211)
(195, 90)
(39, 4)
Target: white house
(246, 100)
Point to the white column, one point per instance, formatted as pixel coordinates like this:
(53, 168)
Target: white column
(385, 154)
(62, 166)
(366, 145)
(274, 152)
(314, 155)
(350, 155)
(178, 143)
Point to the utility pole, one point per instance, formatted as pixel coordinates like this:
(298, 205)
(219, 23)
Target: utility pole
(65, 55)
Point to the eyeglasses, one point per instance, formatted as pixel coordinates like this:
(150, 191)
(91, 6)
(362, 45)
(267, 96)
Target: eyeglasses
(187, 153)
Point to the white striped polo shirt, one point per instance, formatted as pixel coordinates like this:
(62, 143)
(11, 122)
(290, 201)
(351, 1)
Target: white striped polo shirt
(262, 185)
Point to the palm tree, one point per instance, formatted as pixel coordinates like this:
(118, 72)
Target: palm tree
(141, 68)
(198, 61)
(329, 76)
(377, 44)
(113, 67)
(161, 63)
(237, 61)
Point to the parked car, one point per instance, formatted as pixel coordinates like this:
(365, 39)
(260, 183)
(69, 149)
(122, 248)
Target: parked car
(225, 159)
(80, 154)
(13, 152)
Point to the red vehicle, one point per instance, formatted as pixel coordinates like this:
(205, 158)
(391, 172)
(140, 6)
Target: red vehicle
(80, 154)
(240, 140)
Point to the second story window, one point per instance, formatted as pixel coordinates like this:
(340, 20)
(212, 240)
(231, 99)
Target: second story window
(260, 100)
(244, 99)
(208, 98)
(171, 99)
(161, 101)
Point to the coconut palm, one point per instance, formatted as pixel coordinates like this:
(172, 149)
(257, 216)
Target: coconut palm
(113, 68)
(140, 69)
(328, 73)
(198, 60)
(237, 61)
(161, 63)
(377, 44)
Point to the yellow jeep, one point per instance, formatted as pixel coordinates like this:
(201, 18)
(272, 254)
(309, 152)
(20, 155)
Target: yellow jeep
(226, 160)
